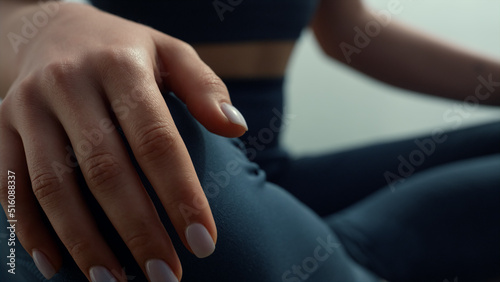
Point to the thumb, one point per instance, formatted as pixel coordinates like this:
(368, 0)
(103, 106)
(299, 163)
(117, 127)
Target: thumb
(198, 87)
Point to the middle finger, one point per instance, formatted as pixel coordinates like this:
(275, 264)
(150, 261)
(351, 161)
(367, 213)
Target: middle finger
(115, 184)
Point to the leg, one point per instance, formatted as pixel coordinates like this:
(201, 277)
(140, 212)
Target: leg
(441, 223)
(329, 183)
(264, 233)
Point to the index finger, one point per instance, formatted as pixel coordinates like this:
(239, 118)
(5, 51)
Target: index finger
(204, 93)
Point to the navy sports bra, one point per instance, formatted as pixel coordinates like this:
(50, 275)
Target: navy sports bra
(203, 21)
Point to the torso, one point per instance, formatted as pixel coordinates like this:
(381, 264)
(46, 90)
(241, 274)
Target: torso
(247, 60)
(236, 38)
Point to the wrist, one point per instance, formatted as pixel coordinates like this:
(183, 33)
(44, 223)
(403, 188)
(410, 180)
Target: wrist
(23, 25)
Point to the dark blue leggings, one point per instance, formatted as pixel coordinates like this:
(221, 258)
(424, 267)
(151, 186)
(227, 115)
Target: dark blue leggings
(384, 209)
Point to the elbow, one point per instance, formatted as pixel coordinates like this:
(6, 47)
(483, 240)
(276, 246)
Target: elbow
(332, 45)
(334, 27)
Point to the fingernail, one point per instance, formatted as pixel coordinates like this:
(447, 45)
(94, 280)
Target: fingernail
(200, 240)
(101, 274)
(233, 115)
(43, 264)
(158, 270)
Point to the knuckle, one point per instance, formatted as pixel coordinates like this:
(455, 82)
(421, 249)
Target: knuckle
(126, 59)
(60, 74)
(23, 100)
(78, 247)
(25, 233)
(25, 93)
(189, 198)
(27, 86)
(139, 238)
(102, 170)
(155, 141)
(4, 117)
(184, 47)
(46, 186)
(210, 80)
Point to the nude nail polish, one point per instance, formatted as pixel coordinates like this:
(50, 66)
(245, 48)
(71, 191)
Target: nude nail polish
(43, 264)
(233, 115)
(159, 271)
(101, 274)
(200, 240)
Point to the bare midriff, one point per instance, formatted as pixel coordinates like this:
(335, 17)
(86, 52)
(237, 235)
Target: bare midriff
(247, 60)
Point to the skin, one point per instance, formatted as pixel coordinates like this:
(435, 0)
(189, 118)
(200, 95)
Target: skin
(62, 83)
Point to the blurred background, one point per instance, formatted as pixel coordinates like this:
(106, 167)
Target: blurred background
(337, 108)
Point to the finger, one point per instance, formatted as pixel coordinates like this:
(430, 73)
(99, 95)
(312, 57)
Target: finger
(54, 184)
(20, 206)
(163, 156)
(115, 184)
(199, 87)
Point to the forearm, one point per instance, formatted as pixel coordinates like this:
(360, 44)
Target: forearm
(409, 59)
(17, 29)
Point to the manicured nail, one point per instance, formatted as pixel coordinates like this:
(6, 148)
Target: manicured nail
(200, 240)
(101, 274)
(43, 264)
(159, 271)
(233, 115)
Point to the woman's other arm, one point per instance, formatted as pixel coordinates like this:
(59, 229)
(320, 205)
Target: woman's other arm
(379, 46)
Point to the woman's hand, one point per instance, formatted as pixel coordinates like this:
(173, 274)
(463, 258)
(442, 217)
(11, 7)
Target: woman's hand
(84, 72)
